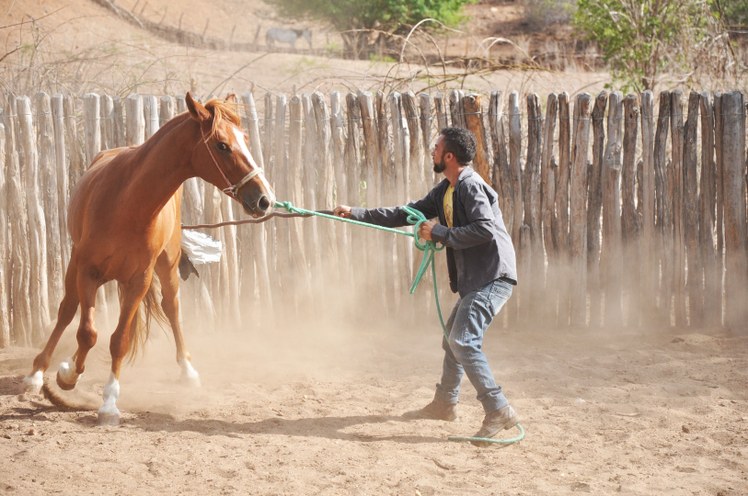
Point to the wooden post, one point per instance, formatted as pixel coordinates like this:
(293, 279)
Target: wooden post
(455, 108)
(663, 210)
(611, 201)
(371, 175)
(108, 138)
(5, 279)
(676, 194)
(533, 251)
(49, 201)
(22, 321)
(92, 125)
(351, 193)
(501, 174)
(515, 165)
(301, 183)
(712, 271)
(564, 169)
(562, 205)
(135, 127)
(632, 281)
(166, 110)
(119, 124)
(733, 184)
(418, 163)
(649, 268)
(76, 150)
(325, 182)
(694, 289)
(442, 119)
(284, 253)
(473, 115)
(427, 131)
(577, 205)
(37, 224)
(401, 138)
(63, 175)
(151, 115)
(254, 256)
(548, 170)
(230, 262)
(594, 207)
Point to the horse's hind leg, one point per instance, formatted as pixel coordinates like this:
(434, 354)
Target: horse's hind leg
(65, 314)
(120, 344)
(166, 270)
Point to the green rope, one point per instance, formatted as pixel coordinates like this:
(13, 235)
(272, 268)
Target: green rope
(519, 437)
(416, 218)
(429, 248)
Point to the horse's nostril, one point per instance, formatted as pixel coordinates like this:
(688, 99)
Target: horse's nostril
(264, 203)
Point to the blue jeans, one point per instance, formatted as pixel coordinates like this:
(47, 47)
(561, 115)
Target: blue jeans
(463, 352)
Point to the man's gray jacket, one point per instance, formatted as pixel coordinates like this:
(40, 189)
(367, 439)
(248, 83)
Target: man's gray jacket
(479, 249)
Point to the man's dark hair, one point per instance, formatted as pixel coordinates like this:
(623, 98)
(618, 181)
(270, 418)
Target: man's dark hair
(461, 142)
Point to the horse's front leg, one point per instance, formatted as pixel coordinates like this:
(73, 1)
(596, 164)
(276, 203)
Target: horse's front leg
(167, 271)
(121, 343)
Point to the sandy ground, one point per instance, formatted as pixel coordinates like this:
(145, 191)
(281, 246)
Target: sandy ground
(316, 409)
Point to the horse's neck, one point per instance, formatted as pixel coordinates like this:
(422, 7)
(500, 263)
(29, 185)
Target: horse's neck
(161, 165)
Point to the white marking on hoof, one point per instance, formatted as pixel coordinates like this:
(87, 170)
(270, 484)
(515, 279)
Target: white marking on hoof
(189, 374)
(67, 377)
(33, 383)
(109, 413)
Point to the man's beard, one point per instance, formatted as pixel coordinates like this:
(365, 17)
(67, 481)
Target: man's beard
(439, 166)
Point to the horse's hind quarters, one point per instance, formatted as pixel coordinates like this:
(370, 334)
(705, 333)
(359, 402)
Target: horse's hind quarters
(33, 383)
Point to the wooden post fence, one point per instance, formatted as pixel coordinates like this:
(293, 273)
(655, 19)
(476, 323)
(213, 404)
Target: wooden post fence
(625, 212)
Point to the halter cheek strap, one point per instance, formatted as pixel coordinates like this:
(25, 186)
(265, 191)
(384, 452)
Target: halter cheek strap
(231, 189)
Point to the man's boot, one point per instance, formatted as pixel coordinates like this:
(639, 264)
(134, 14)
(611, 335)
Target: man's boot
(495, 422)
(438, 409)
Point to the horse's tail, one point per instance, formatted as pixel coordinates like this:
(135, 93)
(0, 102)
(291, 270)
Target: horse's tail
(139, 331)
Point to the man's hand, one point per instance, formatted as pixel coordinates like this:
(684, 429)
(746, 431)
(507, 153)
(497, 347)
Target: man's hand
(342, 211)
(424, 232)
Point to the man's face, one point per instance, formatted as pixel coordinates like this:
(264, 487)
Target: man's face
(438, 151)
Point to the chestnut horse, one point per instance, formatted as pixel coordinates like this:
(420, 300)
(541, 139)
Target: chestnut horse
(124, 219)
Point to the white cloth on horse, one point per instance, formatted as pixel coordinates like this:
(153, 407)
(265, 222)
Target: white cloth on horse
(200, 247)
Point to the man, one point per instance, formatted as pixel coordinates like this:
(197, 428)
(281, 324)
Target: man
(482, 269)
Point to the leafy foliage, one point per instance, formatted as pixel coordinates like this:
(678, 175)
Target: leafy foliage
(355, 17)
(639, 38)
(734, 13)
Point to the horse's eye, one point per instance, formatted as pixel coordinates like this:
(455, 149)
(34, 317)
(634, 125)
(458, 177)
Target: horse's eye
(223, 146)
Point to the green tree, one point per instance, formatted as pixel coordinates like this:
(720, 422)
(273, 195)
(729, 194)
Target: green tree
(734, 13)
(639, 38)
(358, 19)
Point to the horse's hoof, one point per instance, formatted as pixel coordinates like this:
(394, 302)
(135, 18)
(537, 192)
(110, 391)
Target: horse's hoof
(33, 383)
(107, 418)
(192, 381)
(64, 385)
(67, 377)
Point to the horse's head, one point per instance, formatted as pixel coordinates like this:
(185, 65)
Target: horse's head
(222, 156)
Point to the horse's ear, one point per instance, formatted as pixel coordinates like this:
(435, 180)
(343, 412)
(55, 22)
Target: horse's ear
(197, 110)
(231, 97)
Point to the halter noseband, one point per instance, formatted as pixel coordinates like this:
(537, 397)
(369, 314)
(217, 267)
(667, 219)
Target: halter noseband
(231, 189)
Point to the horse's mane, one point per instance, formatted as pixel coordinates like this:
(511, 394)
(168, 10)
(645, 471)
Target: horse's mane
(222, 111)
